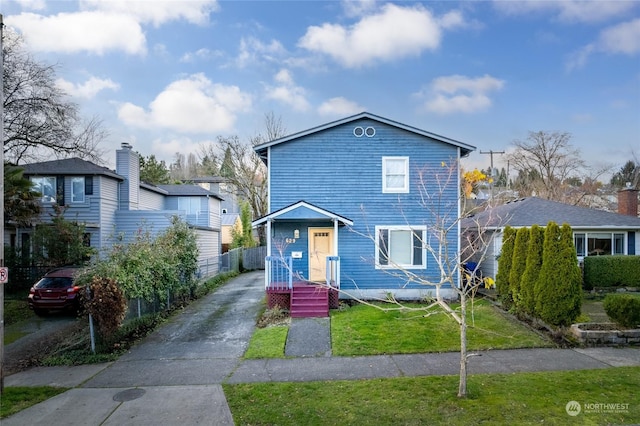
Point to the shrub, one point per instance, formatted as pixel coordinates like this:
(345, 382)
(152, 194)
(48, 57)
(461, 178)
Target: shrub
(518, 264)
(559, 286)
(623, 309)
(106, 304)
(532, 269)
(504, 266)
(611, 271)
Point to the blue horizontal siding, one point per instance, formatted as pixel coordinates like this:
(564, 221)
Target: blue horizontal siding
(339, 172)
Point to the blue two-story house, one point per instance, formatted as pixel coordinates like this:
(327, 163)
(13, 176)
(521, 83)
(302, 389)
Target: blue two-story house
(117, 204)
(348, 210)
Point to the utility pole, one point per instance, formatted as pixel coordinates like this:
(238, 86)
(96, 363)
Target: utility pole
(1, 209)
(491, 152)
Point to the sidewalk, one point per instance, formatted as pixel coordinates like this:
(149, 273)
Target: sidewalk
(175, 376)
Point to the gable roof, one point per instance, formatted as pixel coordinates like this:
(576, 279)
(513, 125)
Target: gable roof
(533, 210)
(302, 210)
(465, 149)
(68, 166)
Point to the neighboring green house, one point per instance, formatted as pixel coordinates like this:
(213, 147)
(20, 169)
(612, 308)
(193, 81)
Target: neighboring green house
(111, 203)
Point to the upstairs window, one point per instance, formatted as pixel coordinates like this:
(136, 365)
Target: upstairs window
(46, 186)
(395, 174)
(401, 247)
(77, 189)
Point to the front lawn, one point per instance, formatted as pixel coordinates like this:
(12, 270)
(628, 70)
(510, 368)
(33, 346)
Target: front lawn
(365, 330)
(514, 399)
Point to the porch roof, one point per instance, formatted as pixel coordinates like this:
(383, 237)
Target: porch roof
(302, 210)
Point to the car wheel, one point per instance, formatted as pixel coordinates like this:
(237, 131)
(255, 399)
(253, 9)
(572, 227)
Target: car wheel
(39, 312)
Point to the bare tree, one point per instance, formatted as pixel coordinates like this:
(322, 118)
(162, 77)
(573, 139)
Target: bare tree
(274, 128)
(545, 160)
(39, 120)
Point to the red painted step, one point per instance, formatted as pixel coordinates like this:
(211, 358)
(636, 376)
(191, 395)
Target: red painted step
(309, 301)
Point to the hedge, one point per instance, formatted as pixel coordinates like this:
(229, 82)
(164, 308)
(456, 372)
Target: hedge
(611, 271)
(623, 309)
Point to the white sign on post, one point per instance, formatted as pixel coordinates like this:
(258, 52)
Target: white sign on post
(4, 275)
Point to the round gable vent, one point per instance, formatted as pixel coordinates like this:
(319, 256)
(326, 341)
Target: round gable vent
(370, 132)
(358, 132)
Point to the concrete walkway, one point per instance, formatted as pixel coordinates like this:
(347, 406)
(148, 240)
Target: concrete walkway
(175, 375)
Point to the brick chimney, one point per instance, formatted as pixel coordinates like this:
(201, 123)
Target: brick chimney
(628, 201)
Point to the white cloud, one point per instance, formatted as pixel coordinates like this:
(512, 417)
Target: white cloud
(193, 104)
(253, 51)
(92, 32)
(395, 32)
(101, 26)
(357, 7)
(156, 12)
(457, 93)
(287, 92)
(585, 11)
(88, 89)
(339, 106)
(200, 54)
(623, 39)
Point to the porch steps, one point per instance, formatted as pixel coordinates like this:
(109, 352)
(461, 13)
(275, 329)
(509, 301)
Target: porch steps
(309, 301)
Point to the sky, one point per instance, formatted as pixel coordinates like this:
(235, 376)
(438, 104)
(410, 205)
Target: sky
(173, 76)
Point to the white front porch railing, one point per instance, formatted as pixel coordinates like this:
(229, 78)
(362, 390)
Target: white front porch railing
(333, 271)
(278, 272)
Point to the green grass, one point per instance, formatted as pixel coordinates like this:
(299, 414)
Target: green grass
(365, 330)
(267, 342)
(522, 399)
(16, 310)
(18, 398)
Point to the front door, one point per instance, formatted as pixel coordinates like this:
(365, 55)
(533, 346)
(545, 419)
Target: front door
(320, 246)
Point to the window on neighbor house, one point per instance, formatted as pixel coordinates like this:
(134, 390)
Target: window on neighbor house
(191, 205)
(400, 247)
(77, 189)
(395, 174)
(46, 186)
(598, 243)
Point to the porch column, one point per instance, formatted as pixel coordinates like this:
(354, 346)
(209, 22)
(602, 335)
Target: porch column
(268, 237)
(335, 237)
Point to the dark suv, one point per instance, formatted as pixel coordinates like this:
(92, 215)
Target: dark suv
(55, 291)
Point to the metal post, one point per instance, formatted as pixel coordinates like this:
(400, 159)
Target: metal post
(1, 208)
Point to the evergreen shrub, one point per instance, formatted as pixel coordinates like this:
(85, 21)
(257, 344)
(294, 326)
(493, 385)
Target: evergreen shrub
(611, 271)
(623, 309)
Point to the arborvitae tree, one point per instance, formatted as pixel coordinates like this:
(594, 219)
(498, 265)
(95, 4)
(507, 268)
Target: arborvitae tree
(518, 264)
(504, 266)
(558, 291)
(532, 270)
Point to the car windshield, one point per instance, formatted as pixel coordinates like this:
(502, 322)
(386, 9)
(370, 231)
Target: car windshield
(55, 282)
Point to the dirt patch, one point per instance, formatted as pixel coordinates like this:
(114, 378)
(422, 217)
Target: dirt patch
(41, 336)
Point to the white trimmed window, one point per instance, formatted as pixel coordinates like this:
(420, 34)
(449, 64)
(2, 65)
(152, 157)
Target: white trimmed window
(395, 174)
(401, 247)
(599, 243)
(46, 186)
(77, 189)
